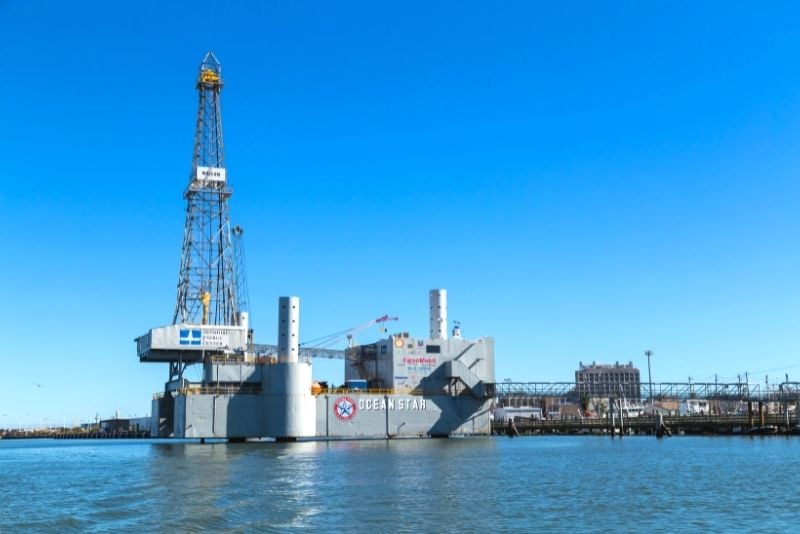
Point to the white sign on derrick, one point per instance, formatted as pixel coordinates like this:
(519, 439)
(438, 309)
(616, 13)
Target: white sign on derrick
(210, 174)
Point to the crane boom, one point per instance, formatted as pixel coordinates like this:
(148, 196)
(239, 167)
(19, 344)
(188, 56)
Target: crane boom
(332, 339)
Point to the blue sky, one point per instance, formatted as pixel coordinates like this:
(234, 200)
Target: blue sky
(587, 181)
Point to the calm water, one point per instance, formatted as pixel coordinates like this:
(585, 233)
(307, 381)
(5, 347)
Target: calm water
(489, 484)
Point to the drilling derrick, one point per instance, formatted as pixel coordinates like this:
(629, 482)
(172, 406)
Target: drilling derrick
(208, 320)
(206, 282)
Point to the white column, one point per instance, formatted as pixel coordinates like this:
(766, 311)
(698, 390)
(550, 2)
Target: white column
(438, 313)
(288, 329)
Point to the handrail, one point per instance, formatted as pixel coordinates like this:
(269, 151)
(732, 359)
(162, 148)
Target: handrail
(369, 391)
(242, 359)
(244, 389)
(255, 389)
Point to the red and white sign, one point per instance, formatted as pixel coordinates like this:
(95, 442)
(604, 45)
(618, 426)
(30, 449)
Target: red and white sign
(344, 408)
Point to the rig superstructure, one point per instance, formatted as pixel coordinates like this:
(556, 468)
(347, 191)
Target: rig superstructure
(398, 386)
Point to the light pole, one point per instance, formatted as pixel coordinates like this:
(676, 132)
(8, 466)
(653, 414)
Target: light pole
(649, 353)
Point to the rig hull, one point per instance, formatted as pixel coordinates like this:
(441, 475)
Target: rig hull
(339, 415)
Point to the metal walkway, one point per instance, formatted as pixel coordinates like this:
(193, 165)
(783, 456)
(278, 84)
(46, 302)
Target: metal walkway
(785, 391)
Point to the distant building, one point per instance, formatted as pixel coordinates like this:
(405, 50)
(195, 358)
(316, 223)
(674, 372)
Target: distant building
(608, 380)
(517, 414)
(117, 424)
(114, 425)
(694, 407)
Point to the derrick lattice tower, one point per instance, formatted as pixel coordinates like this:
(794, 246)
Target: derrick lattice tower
(207, 290)
(242, 292)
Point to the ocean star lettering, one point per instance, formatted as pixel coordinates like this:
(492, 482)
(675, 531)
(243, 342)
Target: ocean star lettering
(381, 404)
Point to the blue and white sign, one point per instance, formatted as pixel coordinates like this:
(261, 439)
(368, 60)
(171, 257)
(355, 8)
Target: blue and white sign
(190, 336)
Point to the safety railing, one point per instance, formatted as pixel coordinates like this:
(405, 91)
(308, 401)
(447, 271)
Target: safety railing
(368, 391)
(243, 389)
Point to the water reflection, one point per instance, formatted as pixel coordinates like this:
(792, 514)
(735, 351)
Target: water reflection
(492, 484)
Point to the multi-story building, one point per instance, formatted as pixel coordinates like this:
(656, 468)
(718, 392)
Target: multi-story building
(608, 380)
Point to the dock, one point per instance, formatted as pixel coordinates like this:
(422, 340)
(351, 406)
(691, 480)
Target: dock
(704, 425)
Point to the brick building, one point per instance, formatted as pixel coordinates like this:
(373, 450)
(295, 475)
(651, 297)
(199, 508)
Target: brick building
(608, 380)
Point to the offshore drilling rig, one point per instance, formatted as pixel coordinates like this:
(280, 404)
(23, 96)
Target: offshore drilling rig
(401, 386)
(210, 325)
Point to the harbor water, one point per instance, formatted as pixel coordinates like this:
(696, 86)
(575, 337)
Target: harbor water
(549, 484)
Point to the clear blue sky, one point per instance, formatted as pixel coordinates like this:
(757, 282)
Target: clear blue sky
(587, 181)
